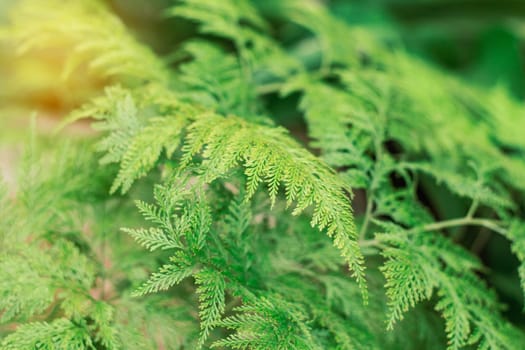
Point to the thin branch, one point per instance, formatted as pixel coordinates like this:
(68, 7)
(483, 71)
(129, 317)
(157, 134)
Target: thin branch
(490, 224)
(472, 209)
(269, 88)
(368, 215)
(369, 243)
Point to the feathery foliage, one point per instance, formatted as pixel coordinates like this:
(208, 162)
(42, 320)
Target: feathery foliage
(188, 177)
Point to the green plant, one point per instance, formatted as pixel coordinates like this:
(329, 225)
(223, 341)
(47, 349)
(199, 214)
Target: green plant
(189, 162)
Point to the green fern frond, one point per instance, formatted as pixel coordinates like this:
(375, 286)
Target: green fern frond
(416, 266)
(22, 300)
(153, 238)
(220, 19)
(267, 155)
(215, 79)
(59, 334)
(268, 323)
(234, 82)
(516, 233)
(103, 327)
(180, 267)
(211, 289)
(463, 186)
(71, 270)
(228, 205)
(161, 134)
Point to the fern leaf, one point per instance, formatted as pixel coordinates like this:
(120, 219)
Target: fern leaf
(145, 149)
(219, 19)
(268, 323)
(22, 300)
(211, 289)
(59, 334)
(269, 155)
(465, 187)
(153, 238)
(516, 233)
(463, 298)
(216, 80)
(104, 329)
(180, 267)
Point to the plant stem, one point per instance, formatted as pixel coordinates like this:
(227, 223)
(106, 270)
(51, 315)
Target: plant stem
(269, 88)
(369, 243)
(373, 185)
(472, 209)
(490, 224)
(368, 215)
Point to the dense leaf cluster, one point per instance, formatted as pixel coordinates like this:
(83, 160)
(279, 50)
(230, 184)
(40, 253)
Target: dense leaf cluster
(227, 207)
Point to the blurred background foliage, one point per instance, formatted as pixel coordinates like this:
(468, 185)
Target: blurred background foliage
(481, 41)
